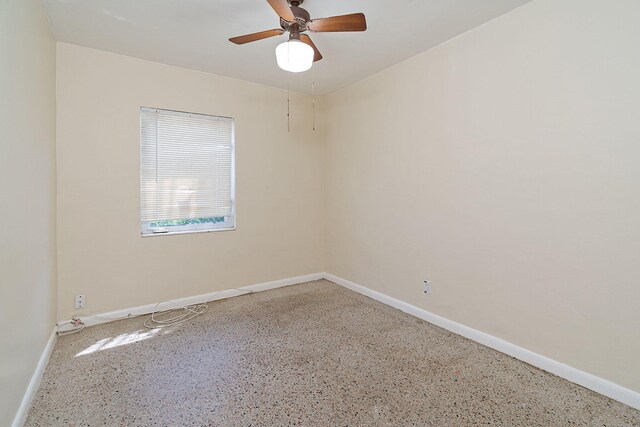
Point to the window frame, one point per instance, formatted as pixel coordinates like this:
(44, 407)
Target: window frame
(228, 224)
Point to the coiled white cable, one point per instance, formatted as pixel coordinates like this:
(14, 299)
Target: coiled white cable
(157, 319)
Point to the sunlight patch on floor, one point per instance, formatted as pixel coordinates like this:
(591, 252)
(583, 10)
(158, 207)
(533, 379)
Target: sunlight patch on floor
(118, 341)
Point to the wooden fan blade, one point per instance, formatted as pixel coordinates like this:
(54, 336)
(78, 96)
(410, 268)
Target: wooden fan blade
(317, 56)
(248, 38)
(353, 22)
(282, 9)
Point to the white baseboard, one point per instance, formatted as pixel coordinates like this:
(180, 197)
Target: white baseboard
(34, 384)
(592, 382)
(96, 319)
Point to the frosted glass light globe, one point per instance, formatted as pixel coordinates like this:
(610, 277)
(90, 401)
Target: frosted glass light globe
(294, 56)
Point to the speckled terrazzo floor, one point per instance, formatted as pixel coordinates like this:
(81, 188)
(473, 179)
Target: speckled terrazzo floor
(310, 355)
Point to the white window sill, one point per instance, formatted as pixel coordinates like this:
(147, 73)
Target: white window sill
(171, 233)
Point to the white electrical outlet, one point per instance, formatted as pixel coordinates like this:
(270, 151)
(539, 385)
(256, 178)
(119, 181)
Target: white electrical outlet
(80, 301)
(427, 286)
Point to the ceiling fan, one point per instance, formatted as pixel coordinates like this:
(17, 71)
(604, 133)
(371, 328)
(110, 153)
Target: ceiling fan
(299, 53)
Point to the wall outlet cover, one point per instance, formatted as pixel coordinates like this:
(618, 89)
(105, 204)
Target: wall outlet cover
(80, 301)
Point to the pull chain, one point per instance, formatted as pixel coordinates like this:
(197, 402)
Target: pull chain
(313, 98)
(288, 106)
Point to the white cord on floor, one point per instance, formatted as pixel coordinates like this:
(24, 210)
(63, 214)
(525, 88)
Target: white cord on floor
(72, 331)
(157, 320)
(128, 316)
(75, 322)
(80, 326)
(190, 311)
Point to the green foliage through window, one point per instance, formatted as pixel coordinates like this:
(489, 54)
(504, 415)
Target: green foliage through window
(186, 221)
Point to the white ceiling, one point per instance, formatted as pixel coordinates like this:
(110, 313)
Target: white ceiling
(195, 33)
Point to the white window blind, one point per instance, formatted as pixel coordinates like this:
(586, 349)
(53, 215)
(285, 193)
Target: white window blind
(186, 171)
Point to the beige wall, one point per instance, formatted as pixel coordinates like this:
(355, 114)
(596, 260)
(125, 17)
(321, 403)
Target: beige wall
(504, 166)
(279, 185)
(27, 196)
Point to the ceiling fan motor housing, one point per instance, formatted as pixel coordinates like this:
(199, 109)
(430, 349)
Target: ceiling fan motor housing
(301, 17)
(300, 14)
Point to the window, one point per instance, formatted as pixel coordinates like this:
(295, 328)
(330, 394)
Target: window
(186, 172)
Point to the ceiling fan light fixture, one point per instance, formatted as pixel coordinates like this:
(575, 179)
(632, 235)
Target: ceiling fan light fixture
(294, 56)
